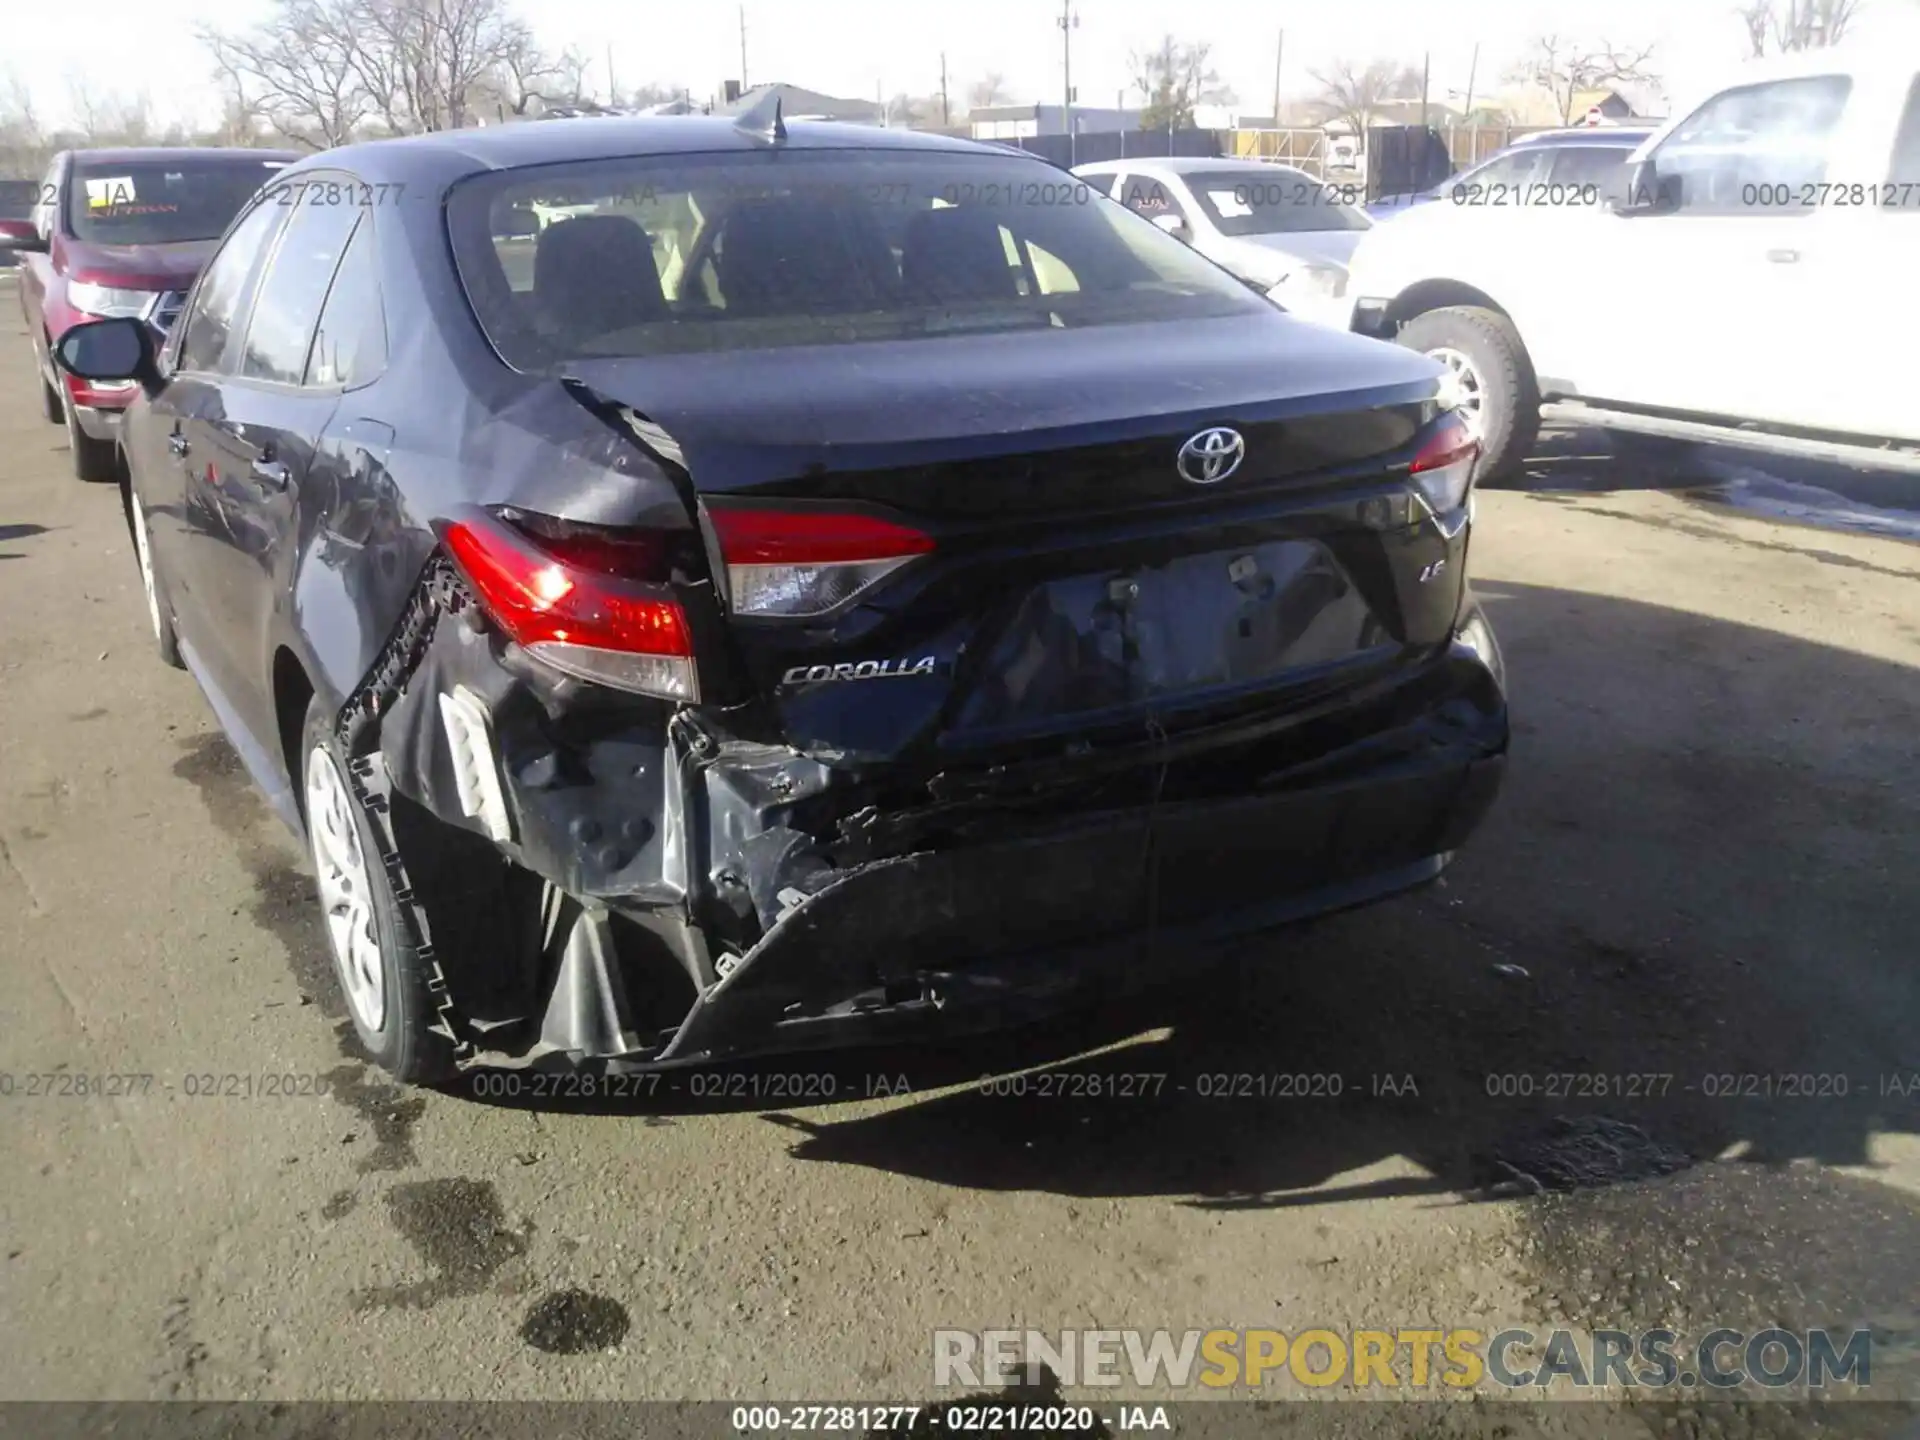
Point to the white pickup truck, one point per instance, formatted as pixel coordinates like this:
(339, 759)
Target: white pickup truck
(1752, 278)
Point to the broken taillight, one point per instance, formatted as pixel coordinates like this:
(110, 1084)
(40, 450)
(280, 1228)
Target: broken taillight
(1442, 469)
(808, 562)
(591, 602)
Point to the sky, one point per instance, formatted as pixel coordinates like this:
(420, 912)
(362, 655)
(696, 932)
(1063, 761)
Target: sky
(860, 48)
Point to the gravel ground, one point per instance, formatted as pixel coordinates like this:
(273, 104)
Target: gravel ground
(1702, 870)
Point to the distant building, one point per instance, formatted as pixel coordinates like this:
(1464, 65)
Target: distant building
(1021, 122)
(1537, 106)
(799, 104)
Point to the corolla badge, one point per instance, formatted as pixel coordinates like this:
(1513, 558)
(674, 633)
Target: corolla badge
(1211, 456)
(862, 670)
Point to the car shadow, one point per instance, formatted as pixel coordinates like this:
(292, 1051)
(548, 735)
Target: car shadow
(1683, 933)
(1791, 490)
(18, 532)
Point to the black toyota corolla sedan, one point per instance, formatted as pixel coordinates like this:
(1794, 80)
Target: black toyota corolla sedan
(707, 587)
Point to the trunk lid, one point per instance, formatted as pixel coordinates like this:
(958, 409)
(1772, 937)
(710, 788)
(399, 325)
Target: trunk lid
(1076, 578)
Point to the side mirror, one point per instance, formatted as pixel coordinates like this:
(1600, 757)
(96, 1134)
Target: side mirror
(1641, 190)
(20, 235)
(118, 349)
(1173, 225)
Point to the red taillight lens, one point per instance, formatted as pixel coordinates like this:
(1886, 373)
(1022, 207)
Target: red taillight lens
(1442, 469)
(586, 601)
(807, 562)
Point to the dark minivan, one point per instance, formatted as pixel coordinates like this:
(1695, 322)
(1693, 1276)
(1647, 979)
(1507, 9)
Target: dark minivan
(709, 587)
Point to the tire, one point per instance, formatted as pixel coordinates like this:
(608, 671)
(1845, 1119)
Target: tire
(94, 461)
(1508, 393)
(380, 972)
(50, 405)
(159, 609)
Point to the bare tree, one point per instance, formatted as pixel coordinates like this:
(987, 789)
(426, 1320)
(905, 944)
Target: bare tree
(110, 116)
(989, 90)
(1176, 79)
(1780, 26)
(16, 103)
(300, 73)
(323, 70)
(23, 144)
(1351, 92)
(1566, 69)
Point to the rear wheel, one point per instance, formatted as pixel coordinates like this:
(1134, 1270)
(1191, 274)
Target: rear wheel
(380, 971)
(93, 460)
(1490, 378)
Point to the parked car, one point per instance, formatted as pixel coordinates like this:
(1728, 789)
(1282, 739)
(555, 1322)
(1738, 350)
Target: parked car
(1583, 156)
(16, 216)
(937, 600)
(1738, 286)
(1277, 228)
(121, 232)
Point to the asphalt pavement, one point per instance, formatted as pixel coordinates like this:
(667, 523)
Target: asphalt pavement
(1702, 871)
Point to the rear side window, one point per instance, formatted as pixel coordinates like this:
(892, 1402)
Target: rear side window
(1588, 165)
(295, 288)
(780, 248)
(219, 300)
(1520, 167)
(350, 346)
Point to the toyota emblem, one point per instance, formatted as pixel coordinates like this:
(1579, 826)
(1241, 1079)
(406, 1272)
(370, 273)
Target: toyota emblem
(1211, 456)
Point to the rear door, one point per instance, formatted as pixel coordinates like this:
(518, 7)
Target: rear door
(254, 452)
(169, 446)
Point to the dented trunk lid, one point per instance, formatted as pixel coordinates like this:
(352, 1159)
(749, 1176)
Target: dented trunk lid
(1078, 579)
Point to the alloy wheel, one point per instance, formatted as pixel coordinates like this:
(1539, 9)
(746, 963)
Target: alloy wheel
(346, 889)
(1462, 388)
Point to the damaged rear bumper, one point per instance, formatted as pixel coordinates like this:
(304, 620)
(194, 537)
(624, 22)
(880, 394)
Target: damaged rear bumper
(958, 941)
(789, 909)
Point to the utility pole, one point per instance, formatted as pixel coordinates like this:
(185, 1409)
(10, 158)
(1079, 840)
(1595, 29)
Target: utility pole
(613, 85)
(1069, 22)
(743, 49)
(1473, 71)
(1279, 53)
(946, 111)
(1426, 74)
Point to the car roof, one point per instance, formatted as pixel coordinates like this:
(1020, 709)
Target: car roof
(165, 154)
(1621, 135)
(1179, 165)
(614, 137)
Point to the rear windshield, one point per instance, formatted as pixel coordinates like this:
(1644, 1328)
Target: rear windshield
(776, 248)
(1277, 202)
(121, 202)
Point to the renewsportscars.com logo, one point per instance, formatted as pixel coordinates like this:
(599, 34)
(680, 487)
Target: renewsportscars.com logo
(1458, 1359)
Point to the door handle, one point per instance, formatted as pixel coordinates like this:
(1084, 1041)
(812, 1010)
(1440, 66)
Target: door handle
(270, 473)
(1784, 257)
(177, 443)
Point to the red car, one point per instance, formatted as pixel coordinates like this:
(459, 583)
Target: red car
(121, 232)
